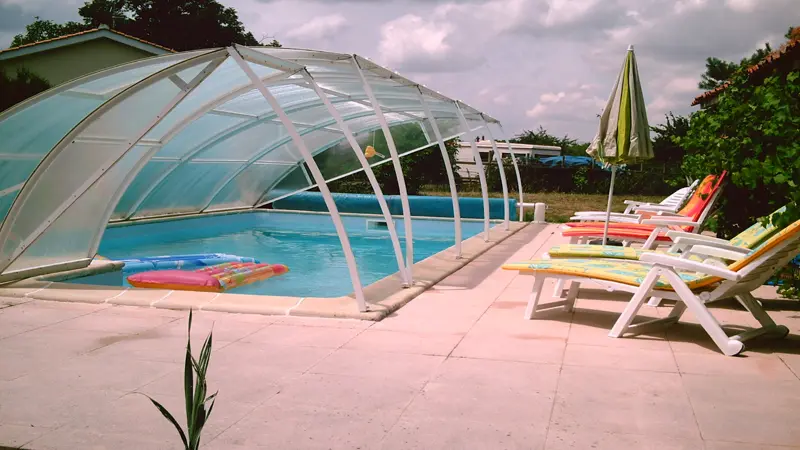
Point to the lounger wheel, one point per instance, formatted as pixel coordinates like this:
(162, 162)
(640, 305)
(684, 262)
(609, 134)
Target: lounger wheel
(781, 331)
(733, 348)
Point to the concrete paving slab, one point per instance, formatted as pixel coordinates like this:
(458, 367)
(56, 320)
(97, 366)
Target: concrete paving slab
(390, 367)
(528, 347)
(623, 401)
(405, 342)
(745, 409)
(457, 367)
(560, 439)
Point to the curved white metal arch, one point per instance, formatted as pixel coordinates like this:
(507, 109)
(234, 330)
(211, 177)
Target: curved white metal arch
(448, 167)
(232, 131)
(215, 139)
(362, 159)
(315, 172)
(516, 170)
(398, 169)
(499, 158)
(481, 171)
(274, 145)
(212, 57)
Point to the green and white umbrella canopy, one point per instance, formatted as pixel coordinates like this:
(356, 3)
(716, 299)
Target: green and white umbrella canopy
(624, 134)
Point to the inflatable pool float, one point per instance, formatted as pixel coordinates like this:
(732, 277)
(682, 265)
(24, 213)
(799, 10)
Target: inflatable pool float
(217, 278)
(182, 261)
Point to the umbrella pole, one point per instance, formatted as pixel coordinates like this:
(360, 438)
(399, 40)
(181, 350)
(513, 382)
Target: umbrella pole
(608, 207)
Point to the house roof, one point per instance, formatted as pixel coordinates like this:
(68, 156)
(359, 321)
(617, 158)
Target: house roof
(75, 38)
(790, 49)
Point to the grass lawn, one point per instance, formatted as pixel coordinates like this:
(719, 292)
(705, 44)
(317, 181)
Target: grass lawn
(560, 206)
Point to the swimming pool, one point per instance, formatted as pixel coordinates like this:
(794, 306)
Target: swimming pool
(305, 242)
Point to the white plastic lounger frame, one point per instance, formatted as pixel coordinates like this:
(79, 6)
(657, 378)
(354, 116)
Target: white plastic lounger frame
(737, 284)
(499, 159)
(318, 178)
(479, 165)
(398, 169)
(387, 215)
(448, 167)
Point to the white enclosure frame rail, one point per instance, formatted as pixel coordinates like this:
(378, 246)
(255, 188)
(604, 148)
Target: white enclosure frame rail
(499, 158)
(315, 172)
(468, 133)
(516, 170)
(398, 169)
(213, 57)
(362, 159)
(448, 167)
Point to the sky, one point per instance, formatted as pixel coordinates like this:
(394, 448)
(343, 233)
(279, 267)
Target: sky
(529, 63)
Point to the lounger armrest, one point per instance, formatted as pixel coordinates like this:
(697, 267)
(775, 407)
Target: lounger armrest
(665, 221)
(691, 241)
(689, 265)
(671, 213)
(601, 213)
(628, 218)
(654, 208)
(675, 234)
(714, 252)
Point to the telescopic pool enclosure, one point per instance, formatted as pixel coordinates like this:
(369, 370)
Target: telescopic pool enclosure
(207, 131)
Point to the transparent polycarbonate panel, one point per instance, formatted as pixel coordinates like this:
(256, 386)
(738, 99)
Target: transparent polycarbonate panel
(340, 158)
(5, 203)
(250, 102)
(145, 179)
(70, 169)
(131, 73)
(410, 105)
(132, 116)
(186, 188)
(280, 154)
(201, 132)
(245, 143)
(450, 128)
(224, 81)
(289, 95)
(344, 86)
(428, 130)
(14, 172)
(247, 187)
(35, 130)
(293, 181)
(80, 161)
(71, 235)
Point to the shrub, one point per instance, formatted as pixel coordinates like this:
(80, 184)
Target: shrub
(753, 131)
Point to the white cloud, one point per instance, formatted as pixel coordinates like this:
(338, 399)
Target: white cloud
(536, 111)
(742, 6)
(419, 45)
(318, 28)
(551, 97)
(502, 99)
(682, 6)
(562, 12)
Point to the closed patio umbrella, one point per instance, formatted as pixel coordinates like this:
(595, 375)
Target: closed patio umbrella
(624, 134)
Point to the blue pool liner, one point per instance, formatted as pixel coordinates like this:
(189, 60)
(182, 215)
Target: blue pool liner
(182, 261)
(421, 206)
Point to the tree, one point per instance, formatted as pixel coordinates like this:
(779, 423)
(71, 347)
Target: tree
(667, 135)
(568, 145)
(40, 30)
(16, 89)
(177, 24)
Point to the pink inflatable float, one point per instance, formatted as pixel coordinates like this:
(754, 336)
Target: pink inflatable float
(218, 278)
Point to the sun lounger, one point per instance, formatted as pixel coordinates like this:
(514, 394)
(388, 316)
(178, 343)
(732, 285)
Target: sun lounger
(692, 284)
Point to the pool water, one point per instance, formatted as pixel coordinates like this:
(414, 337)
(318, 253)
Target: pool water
(306, 243)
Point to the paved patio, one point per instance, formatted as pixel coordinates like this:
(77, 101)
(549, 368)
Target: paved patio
(456, 368)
